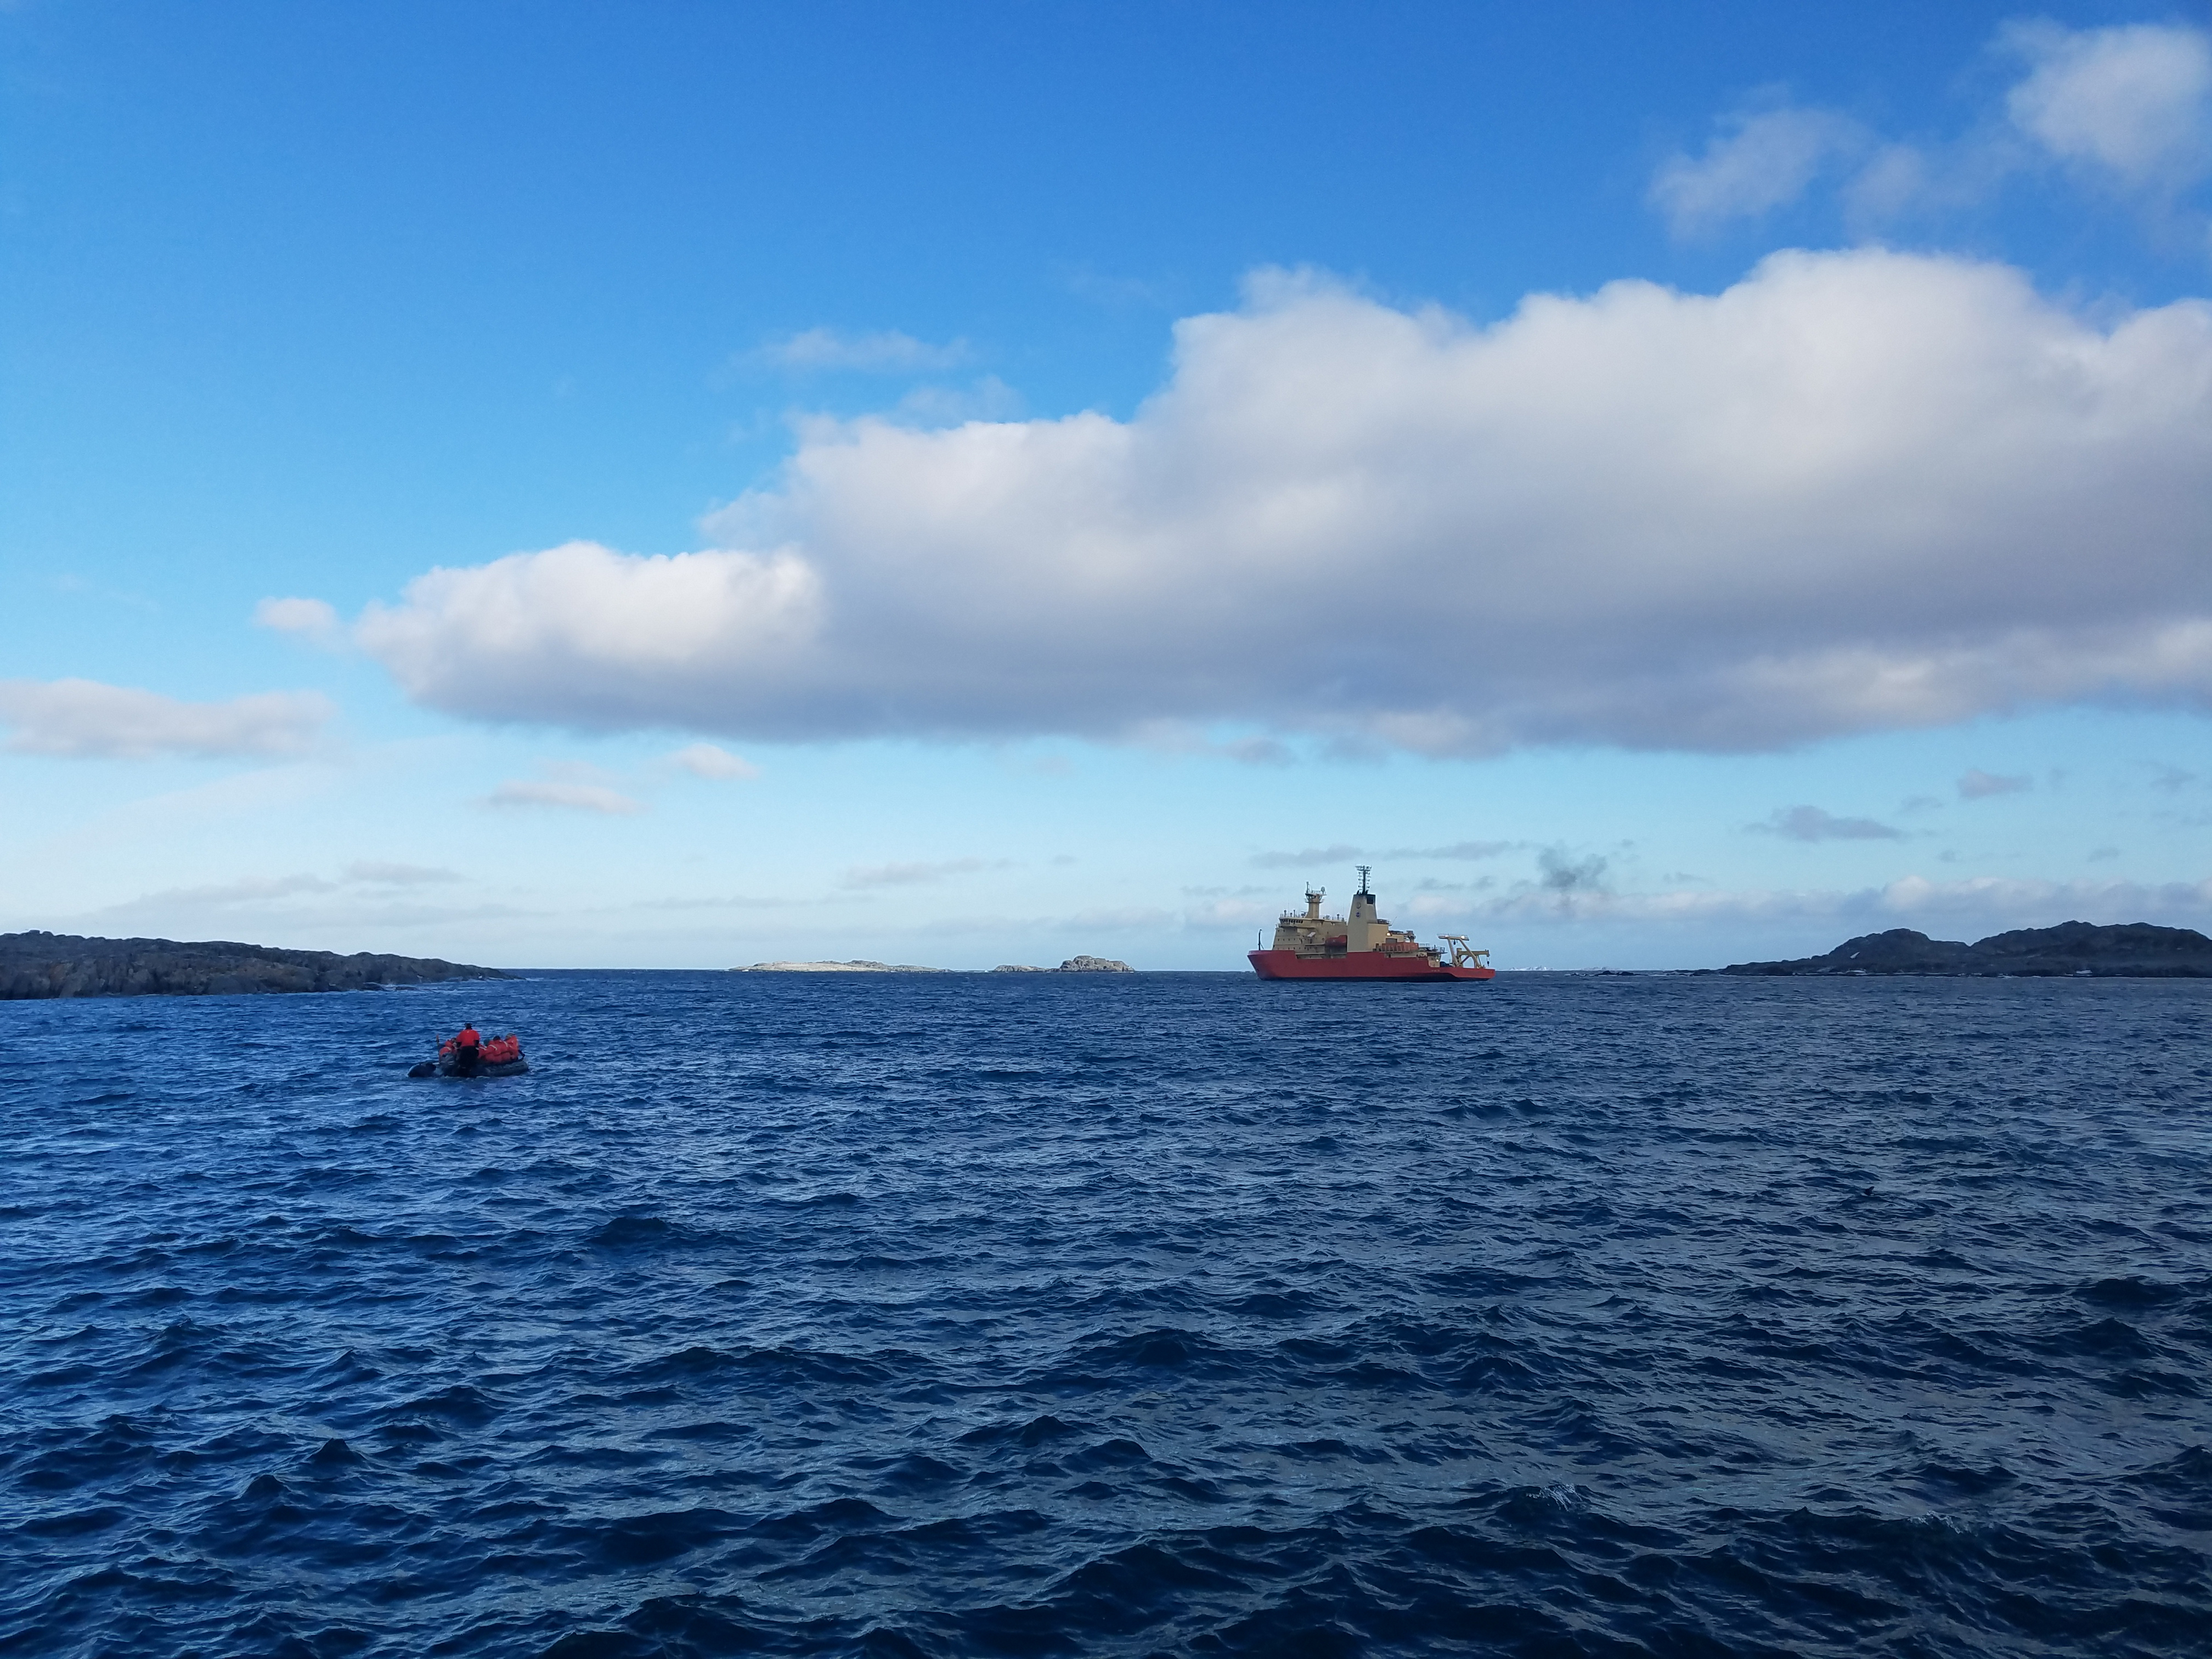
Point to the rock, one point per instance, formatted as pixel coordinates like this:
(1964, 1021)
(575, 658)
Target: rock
(1093, 965)
(37, 965)
(1017, 967)
(2135, 950)
(856, 966)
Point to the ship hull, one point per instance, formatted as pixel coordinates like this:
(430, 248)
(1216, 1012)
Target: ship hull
(1363, 964)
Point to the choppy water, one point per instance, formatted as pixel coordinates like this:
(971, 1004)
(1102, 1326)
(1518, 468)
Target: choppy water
(1172, 1314)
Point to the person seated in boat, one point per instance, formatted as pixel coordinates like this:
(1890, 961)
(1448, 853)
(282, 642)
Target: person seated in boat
(465, 1047)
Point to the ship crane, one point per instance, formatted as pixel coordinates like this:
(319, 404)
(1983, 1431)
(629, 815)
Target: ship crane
(1463, 955)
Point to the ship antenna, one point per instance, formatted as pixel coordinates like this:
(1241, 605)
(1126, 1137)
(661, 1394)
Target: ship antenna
(1364, 869)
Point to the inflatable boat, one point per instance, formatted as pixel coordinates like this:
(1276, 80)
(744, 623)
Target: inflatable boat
(495, 1057)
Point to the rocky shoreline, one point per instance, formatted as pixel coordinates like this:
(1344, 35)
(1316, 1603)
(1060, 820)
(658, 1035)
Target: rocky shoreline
(2135, 950)
(39, 965)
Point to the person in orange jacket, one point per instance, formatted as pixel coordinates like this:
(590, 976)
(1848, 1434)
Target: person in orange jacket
(465, 1049)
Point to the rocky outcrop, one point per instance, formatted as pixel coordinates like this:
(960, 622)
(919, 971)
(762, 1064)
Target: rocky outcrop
(2135, 950)
(38, 965)
(1072, 965)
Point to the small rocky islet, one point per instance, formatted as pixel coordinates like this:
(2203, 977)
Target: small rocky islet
(37, 965)
(2081, 950)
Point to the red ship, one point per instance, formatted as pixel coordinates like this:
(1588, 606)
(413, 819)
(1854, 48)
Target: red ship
(1361, 946)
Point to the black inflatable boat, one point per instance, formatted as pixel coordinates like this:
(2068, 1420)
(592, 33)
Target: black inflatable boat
(499, 1057)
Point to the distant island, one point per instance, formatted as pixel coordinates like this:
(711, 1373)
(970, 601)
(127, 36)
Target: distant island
(2135, 950)
(856, 966)
(37, 965)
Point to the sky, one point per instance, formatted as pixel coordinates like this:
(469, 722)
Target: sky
(685, 486)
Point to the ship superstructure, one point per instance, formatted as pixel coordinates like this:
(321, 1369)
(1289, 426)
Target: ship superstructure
(1360, 944)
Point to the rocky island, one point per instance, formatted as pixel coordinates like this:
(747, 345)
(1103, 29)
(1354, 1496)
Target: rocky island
(38, 964)
(1072, 965)
(858, 966)
(2135, 950)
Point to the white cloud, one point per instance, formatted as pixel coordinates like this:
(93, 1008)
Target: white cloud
(86, 718)
(247, 889)
(1857, 491)
(1762, 162)
(706, 760)
(989, 399)
(655, 633)
(913, 875)
(2134, 101)
(887, 351)
(1978, 785)
(386, 873)
(1811, 824)
(575, 797)
(313, 620)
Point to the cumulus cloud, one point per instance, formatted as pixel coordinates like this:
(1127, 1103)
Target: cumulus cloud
(2126, 109)
(886, 352)
(1855, 491)
(573, 797)
(85, 718)
(1811, 824)
(2133, 102)
(313, 620)
(1978, 785)
(706, 760)
(1759, 161)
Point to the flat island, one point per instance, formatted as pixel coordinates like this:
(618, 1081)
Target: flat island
(2135, 950)
(858, 966)
(1072, 965)
(38, 964)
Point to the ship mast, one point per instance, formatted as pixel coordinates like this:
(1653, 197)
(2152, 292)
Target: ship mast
(1363, 869)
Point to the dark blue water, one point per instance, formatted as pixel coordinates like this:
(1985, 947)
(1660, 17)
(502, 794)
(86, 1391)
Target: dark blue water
(1180, 1314)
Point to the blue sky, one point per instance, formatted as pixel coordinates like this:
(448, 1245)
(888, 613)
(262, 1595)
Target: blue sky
(581, 485)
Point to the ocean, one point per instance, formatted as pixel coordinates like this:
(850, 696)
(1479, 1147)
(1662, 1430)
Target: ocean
(1112, 1314)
